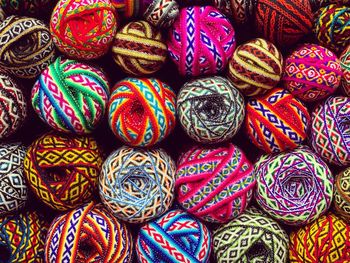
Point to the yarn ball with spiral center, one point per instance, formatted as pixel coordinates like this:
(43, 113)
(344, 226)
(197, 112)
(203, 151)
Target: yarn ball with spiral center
(345, 64)
(342, 194)
(162, 13)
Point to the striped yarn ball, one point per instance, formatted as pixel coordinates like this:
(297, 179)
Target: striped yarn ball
(71, 96)
(294, 187)
(255, 67)
(130, 9)
(332, 27)
(240, 10)
(88, 234)
(63, 170)
(312, 73)
(137, 185)
(24, 7)
(162, 13)
(201, 41)
(215, 184)
(342, 194)
(13, 188)
(174, 237)
(13, 109)
(276, 121)
(251, 237)
(210, 109)
(139, 49)
(283, 22)
(141, 111)
(26, 46)
(345, 64)
(330, 136)
(83, 29)
(324, 241)
(22, 238)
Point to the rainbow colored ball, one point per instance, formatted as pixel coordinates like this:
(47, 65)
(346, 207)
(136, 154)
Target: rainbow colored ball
(342, 194)
(162, 13)
(345, 64)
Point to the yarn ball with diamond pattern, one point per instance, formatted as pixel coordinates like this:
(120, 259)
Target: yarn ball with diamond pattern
(342, 194)
(162, 13)
(345, 64)
(241, 11)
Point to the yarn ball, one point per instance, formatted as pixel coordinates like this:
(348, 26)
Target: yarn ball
(251, 237)
(255, 67)
(71, 96)
(283, 22)
(131, 9)
(317, 4)
(342, 194)
(276, 121)
(88, 234)
(162, 13)
(332, 28)
(13, 109)
(183, 3)
(345, 64)
(83, 29)
(210, 109)
(137, 185)
(294, 187)
(330, 132)
(324, 241)
(215, 184)
(201, 41)
(63, 170)
(22, 237)
(13, 188)
(174, 237)
(141, 112)
(24, 7)
(241, 11)
(139, 49)
(26, 46)
(312, 73)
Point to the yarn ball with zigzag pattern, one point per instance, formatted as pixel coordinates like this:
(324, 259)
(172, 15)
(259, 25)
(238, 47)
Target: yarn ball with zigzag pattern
(341, 198)
(345, 64)
(162, 13)
(63, 170)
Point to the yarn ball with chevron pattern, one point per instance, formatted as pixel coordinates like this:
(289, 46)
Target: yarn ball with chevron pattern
(332, 28)
(214, 184)
(201, 41)
(70, 96)
(63, 170)
(175, 237)
(210, 109)
(241, 11)
(345, 64)
(329, 134)
(294, 187)
(162, 13)
(137, 185)
(312, 72)
(22, 237)
(141, 111)
(83, 29)
(324, 241)
(251, 237)
(277, 121)
(341, 198)
(13, 109)
(255, 67)
(26, 46)
(138, 49)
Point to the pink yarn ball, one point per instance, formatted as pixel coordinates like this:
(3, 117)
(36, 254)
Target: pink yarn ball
(201, 41)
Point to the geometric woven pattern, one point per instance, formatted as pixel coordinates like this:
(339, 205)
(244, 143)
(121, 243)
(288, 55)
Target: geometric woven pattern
(342, 194)
(240, 10)
(137, 185)
(162, 13)
(176, 237)
(251, 237)
(27, 7)
(345, 64)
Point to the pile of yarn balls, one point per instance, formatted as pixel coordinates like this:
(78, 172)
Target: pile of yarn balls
(174, 131)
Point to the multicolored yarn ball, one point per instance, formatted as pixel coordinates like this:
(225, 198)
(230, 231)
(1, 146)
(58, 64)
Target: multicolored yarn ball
(26, 46)
(215, 184)
(24, 7)
(201, 41)
(312, 72)
(174, 237)
(255, 67)
(251, 237)
(332, 27)
(330, 130)
(139, 49)
(71, 96)
(131, 9)
(137, 185)
(294, 187)
(141, 111)
(88, 234)
(162, 13)
(240, 10)
(210, 109)
(22, 238)
(342, 194)
(324, 241)
(283, 22)
(13, 109)
(83, 29)
(62, 170)
(276, 121)
(345, 64)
